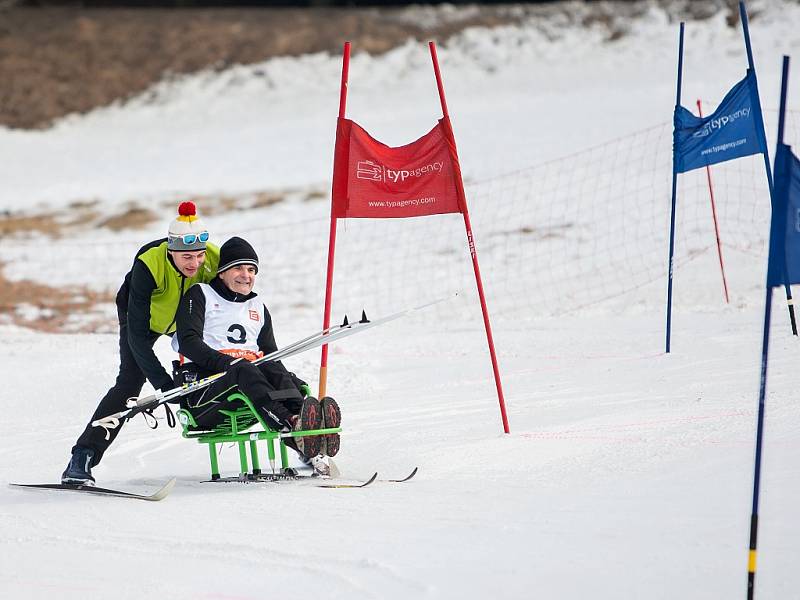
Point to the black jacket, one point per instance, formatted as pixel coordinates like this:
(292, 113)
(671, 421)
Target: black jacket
(191, 324)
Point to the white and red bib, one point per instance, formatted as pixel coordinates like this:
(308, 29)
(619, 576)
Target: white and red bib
(230, 327)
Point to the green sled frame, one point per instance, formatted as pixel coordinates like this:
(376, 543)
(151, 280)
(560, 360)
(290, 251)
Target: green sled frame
(244, 426)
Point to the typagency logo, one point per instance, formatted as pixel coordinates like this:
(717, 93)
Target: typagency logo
(366, 169)
(372, 171)
(720, 122)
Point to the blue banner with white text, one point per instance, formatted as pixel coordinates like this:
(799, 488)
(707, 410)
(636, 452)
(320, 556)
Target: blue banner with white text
(732, 131)
(784, 248)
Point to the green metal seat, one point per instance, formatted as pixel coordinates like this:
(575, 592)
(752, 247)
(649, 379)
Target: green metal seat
(243, 425)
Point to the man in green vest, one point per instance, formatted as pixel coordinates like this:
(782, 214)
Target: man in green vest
(162, 272)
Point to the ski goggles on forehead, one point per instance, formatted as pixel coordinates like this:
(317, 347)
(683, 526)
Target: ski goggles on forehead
(191, 238)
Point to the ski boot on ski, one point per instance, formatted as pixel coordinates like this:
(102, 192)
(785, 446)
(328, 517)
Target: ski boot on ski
(332, 417)
(79, 469)
(313, 449)
(310, 417)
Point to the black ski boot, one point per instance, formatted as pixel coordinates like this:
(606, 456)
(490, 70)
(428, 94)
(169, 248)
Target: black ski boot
(332, 417)
(79, 470)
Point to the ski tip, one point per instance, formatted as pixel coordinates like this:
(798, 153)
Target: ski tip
(407, 477)
(162, 492)
(350, 485)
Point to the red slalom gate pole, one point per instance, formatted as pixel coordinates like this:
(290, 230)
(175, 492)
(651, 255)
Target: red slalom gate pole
(326, 320)
(714, 215)
(473, 252)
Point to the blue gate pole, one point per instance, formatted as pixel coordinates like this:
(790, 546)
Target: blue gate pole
(674, 195)
(775, 250)
(751, 557)
(760, 125)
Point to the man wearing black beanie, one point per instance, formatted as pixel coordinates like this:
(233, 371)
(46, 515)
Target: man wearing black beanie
(222, 326)
(234, 252)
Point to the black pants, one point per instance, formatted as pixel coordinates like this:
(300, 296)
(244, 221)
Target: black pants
(272, 392)
(129, 383)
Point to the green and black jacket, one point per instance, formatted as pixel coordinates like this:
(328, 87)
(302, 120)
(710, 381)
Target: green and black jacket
(149, 298)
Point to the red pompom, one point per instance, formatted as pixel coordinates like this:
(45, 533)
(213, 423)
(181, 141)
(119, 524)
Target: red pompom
(187, 209)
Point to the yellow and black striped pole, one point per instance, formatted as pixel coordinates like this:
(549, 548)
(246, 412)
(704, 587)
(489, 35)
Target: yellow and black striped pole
(751, 559)
(777, 274)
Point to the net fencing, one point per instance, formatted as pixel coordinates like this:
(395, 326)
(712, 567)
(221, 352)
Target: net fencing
(582, 234)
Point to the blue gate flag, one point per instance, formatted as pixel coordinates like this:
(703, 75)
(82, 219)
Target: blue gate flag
(732, 131)
(784, 247)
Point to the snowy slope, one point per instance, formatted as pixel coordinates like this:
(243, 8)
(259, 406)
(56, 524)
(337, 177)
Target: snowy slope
(628, 472)
(625, 469)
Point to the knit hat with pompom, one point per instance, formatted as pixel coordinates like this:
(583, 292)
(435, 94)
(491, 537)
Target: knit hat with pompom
(186, 231)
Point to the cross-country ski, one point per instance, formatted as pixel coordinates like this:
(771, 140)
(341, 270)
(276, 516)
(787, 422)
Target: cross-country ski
(159, 494)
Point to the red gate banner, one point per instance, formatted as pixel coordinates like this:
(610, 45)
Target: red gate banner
(373, 180)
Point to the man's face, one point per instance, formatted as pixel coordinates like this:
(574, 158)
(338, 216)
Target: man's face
(188, 263)
(239, 279)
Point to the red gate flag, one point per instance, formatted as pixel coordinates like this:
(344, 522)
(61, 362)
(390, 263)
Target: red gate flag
(373, 180)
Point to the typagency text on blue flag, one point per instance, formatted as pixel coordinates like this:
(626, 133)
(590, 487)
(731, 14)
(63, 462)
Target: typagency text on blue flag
(732, 131)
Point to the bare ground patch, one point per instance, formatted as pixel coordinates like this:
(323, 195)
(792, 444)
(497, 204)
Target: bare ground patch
(76, 308)
(84, 215)
(217, 204)
(76, 217)
(11, 224)
(58, 61)
(135, 217)
(51, 309)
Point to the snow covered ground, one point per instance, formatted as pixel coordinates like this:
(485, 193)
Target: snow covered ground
(628, 472)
